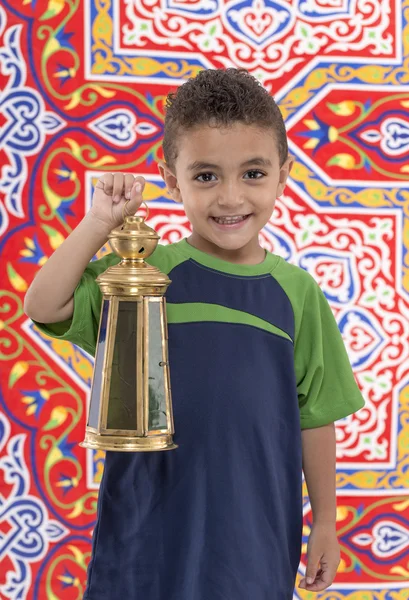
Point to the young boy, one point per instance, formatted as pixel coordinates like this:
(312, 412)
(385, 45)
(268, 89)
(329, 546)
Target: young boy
(259, 372)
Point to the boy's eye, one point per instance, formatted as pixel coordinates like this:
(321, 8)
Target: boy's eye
(205, 177)
(208, 177)
(255, 174)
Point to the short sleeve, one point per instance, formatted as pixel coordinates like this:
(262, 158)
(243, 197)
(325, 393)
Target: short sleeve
(327, 390)
(82, 328)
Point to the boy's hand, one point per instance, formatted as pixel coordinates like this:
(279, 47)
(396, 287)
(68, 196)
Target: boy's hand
(111, 193)
(323, 557)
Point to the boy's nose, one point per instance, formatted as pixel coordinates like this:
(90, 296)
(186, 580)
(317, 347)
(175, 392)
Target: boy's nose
(230, 197)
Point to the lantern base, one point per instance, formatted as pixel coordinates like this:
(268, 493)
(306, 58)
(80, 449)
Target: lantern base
(119, 443)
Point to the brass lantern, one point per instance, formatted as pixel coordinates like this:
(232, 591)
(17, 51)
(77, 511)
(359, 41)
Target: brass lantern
(130, 407)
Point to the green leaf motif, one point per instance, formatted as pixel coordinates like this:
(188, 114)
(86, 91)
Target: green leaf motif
(49, 14)
(333, 107)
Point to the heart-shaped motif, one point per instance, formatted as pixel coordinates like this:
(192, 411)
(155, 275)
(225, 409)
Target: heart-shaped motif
(363, 336)
(392, 136)
(25, 122)
(390, 538)
(260, 21)
(335, 272)
(386, 539)
(121, 127)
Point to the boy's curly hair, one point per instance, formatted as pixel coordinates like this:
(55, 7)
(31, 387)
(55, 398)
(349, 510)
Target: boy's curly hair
(221, 97)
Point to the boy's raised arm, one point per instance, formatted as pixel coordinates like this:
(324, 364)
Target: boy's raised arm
(50, 297)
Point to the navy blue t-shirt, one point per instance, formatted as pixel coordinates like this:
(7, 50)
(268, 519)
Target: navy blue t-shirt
(220, 517)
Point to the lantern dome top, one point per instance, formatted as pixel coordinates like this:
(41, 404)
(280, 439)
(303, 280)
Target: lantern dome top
(134, 239)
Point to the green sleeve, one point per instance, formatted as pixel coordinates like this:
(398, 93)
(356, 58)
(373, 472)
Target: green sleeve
(82, 328)
(327, 390)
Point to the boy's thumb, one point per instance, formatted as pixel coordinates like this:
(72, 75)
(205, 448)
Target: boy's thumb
(311, 572)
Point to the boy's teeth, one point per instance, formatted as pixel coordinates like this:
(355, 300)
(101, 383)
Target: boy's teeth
(229, 220)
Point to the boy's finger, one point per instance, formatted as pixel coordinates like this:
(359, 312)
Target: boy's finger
(322, 581)
(313, 587)
(141, 180)
(118, 190)
(136, 191)
(136, 198)
(129, 181)
(107, 180)
(327, 574)
(318, 586)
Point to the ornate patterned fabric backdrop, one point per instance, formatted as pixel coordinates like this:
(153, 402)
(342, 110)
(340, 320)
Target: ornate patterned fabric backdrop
(82, 86)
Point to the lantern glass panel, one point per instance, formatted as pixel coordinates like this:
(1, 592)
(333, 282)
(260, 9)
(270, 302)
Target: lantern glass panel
(122, 394)
(99, 363)
(157, 396)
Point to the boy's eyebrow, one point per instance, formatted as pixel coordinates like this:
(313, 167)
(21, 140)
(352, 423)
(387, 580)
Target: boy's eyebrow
(263, 162)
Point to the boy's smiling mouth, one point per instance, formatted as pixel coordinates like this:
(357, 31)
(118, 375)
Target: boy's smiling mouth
(233, 221)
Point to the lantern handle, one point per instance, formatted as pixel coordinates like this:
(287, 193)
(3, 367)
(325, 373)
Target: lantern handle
(126, 215)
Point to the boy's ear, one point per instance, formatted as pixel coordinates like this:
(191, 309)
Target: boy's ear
(171, 181)
(284, 173)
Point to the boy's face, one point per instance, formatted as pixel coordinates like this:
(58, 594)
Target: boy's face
(228, 180)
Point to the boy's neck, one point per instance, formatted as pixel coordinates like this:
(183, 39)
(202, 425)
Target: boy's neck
(252, 254)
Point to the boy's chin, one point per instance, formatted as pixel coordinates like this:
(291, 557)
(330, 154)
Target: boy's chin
(231, 245)
(230, 241)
